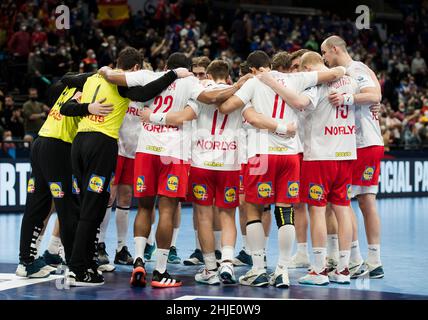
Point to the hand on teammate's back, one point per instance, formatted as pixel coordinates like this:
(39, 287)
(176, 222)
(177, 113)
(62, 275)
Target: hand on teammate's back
(183, 73)
(266, 78)
(243, 79)
(100, 108)
(145, 114)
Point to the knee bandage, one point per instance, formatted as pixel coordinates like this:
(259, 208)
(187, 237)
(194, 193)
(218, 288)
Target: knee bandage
(284, 216)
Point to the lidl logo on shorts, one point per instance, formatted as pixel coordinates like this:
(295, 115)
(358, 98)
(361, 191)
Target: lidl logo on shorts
(31, 187)
(229, 194)
(110, 183)
(264, 189)
(96, 183)
(74, 186)
(348, 192)
(172, 183)
(56, 190)
(241, 183)
(316, 191)
(200, 191)
(293, 189)
(140, 184)
(368, 173)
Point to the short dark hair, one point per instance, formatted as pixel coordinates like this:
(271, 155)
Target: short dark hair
(243, 68)
(201, 62)
(218, 69)
(296, 54)
(258, 59)
(280, 59)
(178, 60)
(128, 58)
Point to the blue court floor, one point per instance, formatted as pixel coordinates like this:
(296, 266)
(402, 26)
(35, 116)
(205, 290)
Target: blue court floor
(404, 254)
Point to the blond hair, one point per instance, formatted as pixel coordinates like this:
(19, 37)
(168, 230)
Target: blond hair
(310, 58)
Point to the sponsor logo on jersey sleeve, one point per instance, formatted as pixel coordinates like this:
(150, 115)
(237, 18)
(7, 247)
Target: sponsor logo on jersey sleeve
(96, 183)
(229, 194)
(56, 190)
(172, 183)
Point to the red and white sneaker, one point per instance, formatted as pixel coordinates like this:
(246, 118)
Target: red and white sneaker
(138, 277)
(342, 277)
(164, 280)
(315, 279)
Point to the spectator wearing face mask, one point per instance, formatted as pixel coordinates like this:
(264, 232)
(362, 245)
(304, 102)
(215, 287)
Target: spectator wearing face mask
(35, 113)
(89, 64)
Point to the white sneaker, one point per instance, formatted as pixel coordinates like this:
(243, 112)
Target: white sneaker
(315, 279)
(255, 278)
(206, 276)
(280, 279)
(358, 269)
(342, 277)
(20, 271)
(299, 260)
(227, 273)
(106, 268)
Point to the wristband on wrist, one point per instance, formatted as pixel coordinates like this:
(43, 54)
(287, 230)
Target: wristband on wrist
(158, 118)
(281, 128)
(348, 99)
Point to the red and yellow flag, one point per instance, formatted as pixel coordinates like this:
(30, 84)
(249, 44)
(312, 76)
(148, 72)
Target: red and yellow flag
(112, 13)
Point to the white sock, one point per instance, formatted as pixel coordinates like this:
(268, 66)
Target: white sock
(319, 259)
(302, 248)
(343, 263)
(266, 243)
(255, 240)
(140, 245)
(151, 238)
(333, 246)
(286, 236)
(197, 243)
(174, 237)
(161, 259)
(54, 245)
(122, 222)
(38, 243)
(355, 252)
(227, 253)
(373, 255)
(217, 238)
(245, 244)
(104, 225)
(210, 261)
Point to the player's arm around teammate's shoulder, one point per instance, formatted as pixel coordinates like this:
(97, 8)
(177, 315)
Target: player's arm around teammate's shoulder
(240, 97)
(220, 95)
(176, 118)
(73, 107)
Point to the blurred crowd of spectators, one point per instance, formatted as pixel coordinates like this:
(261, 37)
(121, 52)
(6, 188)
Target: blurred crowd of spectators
(34, 53)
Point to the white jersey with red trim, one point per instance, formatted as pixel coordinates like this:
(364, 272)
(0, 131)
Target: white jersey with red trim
(330, 131)
(130, 131)
(215, 141)
(266, 101)
(164, 140)
(367, 124)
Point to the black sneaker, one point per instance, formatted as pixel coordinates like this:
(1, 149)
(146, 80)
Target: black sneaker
(164, 280)
(173, 256)
(38, 269)
(53, 260)
(102, 254)
(123, 257)
(88, 278)
(196, 258)
(138, 277)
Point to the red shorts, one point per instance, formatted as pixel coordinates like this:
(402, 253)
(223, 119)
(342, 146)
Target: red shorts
(208, 187)
(160, 175)
(327, 181)
(367, 166)
(272, 179)
(124, 173)
(301, 165)
(241, 178)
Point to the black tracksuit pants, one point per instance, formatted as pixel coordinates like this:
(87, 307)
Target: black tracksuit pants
(93, 156)
(51, 178)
